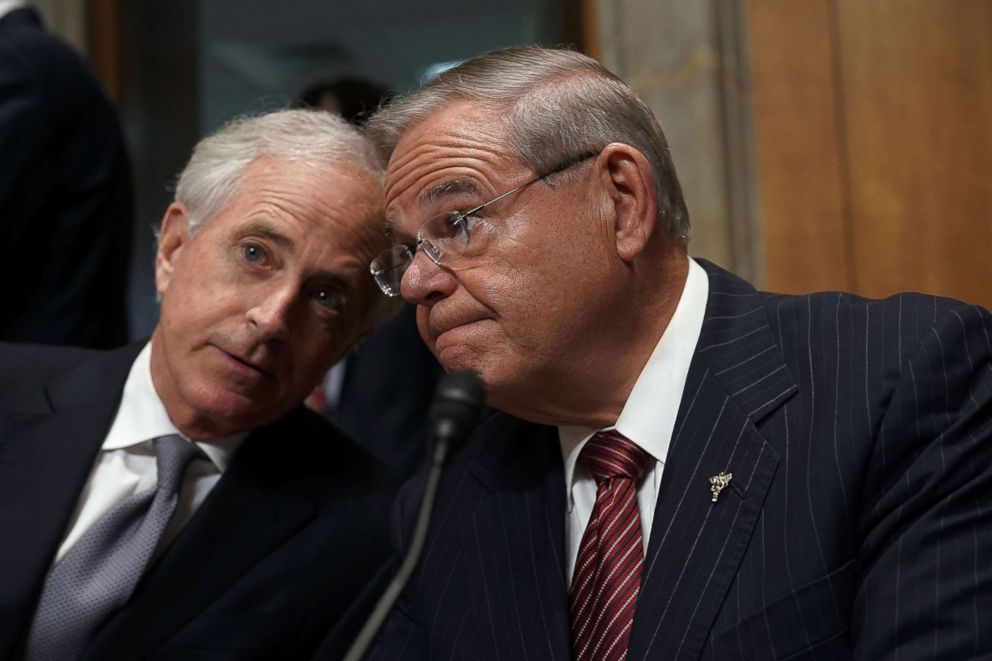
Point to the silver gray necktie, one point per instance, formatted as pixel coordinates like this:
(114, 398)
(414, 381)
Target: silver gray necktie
(98, 574)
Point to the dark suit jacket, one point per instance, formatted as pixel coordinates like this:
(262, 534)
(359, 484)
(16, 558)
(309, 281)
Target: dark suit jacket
(859, 435)
(65, 195)
(271, 562)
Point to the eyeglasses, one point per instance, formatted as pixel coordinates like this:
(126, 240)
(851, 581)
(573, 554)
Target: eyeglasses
(447, 237)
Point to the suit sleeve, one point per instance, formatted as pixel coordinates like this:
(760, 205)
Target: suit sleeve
(926, 578)
(22, 134)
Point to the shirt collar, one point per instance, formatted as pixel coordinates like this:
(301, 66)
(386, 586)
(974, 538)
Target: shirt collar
(648, 416)
(142, 416)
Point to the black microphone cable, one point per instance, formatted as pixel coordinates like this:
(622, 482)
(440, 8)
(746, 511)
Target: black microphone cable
(455, 411)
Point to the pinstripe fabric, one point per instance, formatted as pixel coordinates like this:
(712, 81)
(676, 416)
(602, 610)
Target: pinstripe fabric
(859, 434)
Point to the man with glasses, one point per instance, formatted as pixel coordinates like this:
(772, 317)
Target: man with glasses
(682, 466)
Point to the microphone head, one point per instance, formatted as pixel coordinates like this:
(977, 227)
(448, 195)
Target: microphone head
(457, 406)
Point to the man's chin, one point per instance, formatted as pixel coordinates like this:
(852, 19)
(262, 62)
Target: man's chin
(455, 358)
(224, 412)
(459, 347)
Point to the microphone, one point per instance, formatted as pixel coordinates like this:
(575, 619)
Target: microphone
(454, 413)
(457, 405)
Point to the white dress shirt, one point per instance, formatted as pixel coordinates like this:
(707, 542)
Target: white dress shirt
(647, 418)
(126, 462)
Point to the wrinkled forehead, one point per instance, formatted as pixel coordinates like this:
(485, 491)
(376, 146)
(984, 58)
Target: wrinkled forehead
(320, 210)
(462, 150)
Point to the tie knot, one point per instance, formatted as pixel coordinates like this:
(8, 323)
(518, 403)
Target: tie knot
(173, 454)
(610, 454)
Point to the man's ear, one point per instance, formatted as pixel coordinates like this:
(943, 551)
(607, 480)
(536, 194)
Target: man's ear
(625, 174)
(173, 237)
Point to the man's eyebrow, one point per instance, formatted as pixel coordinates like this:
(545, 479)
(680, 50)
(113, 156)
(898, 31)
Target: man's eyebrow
(449, 187)
(266, 230)
(431, 195)
(389, 225)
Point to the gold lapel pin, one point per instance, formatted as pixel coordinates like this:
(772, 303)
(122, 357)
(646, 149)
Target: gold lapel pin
(718, 482)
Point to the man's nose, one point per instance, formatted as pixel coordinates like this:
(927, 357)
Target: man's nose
(425, 283)
(270, 315)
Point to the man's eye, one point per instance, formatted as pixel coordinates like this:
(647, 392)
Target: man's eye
(253, 253)
(327, 298)
(460, 226)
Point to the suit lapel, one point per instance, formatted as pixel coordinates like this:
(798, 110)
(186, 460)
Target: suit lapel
(737, 377)
(254, 508)
(514, 545)
(46, 455)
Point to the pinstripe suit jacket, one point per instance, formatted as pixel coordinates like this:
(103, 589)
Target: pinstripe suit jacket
(859, 435)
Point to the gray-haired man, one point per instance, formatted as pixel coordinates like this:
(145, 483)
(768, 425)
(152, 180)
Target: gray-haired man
(175, 499)
(683, 467)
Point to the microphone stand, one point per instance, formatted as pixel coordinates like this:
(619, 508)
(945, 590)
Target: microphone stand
(395, 587)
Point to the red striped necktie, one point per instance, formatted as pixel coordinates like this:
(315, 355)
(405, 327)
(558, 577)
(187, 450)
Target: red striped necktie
(607, 575)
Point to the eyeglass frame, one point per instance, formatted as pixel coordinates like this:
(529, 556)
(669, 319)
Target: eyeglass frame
(459, 217)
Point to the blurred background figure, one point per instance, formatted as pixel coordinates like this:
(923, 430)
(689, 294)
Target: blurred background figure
(65, 193)
(380, 393)
(352, 98)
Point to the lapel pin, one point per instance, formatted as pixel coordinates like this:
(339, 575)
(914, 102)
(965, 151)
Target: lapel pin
(718, 482)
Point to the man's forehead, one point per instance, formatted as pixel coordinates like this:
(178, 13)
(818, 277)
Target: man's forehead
(460, 150)
(280, 198)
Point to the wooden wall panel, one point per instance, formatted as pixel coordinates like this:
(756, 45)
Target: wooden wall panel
(799, 151)
(917, 88)
(874, 133)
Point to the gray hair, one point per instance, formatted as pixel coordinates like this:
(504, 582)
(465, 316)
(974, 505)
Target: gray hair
(558, 104)
(210, 179)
